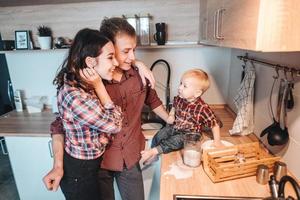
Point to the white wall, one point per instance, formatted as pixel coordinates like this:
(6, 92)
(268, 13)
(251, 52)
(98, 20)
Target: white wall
(34, 71)
(262, 116)
(215, 61)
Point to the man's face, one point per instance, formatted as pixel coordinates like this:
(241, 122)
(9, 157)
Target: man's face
(125, 48)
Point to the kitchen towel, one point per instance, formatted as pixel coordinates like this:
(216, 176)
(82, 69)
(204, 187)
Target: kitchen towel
(243, 124)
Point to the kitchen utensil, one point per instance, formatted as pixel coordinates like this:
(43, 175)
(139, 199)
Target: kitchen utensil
(280, 170)
(192, 149)
(277, 135)
(275, 125)
(262, 174)
(290, 98)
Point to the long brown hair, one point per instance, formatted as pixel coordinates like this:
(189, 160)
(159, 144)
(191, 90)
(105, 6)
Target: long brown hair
(87, 43)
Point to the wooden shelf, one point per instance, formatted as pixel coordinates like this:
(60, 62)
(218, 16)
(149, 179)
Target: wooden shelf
(152, 46)
(172, 45)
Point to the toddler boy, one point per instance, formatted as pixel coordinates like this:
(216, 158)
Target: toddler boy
(189, 114)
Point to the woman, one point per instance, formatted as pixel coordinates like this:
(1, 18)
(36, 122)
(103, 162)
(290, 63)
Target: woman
(88, 114)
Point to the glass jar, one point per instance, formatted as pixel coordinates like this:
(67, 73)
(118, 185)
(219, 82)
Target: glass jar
(144, 29)
(192, 149)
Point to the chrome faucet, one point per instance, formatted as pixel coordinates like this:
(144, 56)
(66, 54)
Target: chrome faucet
(280, 194)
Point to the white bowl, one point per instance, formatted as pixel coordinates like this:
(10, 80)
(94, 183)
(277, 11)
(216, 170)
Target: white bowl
(209, 144)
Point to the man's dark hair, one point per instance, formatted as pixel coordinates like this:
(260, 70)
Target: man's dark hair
(111, 27)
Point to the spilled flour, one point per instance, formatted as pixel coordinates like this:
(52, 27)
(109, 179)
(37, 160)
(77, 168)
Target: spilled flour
(179, 171)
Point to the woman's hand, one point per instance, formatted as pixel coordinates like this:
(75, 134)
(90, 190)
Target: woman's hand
(145, 73)
(91, 77)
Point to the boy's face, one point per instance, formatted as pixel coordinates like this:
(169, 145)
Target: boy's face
(125, 48)
(189, 88)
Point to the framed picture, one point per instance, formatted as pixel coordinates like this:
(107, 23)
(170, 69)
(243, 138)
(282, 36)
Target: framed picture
(22, 39)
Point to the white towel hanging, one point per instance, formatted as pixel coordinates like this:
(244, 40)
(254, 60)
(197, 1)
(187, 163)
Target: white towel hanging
(243, 124)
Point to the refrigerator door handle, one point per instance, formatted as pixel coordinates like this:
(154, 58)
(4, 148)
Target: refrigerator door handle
(9, 92)
(2, 147)
(50, 148)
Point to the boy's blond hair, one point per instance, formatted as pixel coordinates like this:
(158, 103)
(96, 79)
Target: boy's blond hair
(201, 76)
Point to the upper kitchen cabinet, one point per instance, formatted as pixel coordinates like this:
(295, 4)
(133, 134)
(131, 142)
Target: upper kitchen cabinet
(259, 25)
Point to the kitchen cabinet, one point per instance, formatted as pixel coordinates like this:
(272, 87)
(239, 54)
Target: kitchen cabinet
(31, 159)
(259, 25)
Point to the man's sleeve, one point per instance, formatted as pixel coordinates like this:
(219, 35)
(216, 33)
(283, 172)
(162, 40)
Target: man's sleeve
(152, 99)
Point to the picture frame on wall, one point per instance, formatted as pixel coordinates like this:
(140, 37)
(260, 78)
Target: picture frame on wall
(22, 40)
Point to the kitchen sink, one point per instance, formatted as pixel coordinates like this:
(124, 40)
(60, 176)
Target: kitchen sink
(203, 197)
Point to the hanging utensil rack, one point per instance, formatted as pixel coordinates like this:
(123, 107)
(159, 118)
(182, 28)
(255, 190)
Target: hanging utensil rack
(292, 70)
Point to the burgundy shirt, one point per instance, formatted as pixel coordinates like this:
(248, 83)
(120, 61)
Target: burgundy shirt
(130, 95)
(193, 116)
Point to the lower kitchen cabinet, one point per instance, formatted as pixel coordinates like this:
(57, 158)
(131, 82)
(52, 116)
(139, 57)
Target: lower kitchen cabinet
(31, 159)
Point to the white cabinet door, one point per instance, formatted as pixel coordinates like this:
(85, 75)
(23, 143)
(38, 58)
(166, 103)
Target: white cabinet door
(31, 159)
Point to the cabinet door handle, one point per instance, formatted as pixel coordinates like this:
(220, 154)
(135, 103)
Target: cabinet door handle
(219, 14)
(3, 148)
(215, 24)
(50, 148)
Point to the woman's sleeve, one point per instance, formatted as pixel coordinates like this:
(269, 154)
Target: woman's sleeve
(89, 112)
(56, 127)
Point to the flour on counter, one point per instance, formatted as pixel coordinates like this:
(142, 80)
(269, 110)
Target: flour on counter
(179, 172)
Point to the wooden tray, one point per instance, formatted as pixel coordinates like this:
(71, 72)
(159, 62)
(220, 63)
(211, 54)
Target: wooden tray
(236, 161)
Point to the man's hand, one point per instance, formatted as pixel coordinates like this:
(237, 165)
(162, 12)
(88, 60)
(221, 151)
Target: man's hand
(52, 179)
(145, 73)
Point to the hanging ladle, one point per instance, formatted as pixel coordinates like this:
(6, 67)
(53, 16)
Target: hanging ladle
(277, 135)
(274, 130)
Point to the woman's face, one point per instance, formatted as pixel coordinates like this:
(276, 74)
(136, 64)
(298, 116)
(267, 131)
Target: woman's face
(106, 62)
(125, 48)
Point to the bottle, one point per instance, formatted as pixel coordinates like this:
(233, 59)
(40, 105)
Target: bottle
(18, 100)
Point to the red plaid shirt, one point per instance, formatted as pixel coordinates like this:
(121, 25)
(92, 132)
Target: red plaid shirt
(193, 116)
(85, 121)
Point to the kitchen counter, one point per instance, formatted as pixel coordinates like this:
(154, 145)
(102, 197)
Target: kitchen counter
(35, 124)
(199, 183)
(24, 124)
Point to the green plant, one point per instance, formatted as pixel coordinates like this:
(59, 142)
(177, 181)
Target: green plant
(44, 31)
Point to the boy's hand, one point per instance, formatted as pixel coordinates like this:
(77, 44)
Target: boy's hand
(170, 119)
(91, 77)
(218, 144)
(148, 156)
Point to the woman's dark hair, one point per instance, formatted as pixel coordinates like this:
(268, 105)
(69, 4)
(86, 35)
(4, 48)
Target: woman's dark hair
(87, 43)
(111, 27)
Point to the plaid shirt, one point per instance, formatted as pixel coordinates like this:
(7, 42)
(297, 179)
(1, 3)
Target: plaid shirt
(85, 121)
(193, 116)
